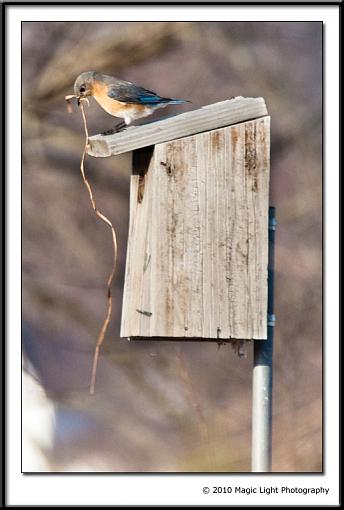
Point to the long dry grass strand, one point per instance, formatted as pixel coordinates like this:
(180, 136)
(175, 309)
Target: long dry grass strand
(100, 215)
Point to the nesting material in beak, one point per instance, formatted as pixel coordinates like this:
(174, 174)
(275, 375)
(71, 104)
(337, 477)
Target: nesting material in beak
(69, 102)
(69, 99)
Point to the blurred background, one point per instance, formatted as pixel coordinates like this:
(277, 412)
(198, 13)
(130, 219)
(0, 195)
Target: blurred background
(162, 406)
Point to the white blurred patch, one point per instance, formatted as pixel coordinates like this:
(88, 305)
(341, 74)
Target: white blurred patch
(38, 422)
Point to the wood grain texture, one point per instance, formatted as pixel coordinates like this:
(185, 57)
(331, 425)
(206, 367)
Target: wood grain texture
(209, 117)
(198, 237)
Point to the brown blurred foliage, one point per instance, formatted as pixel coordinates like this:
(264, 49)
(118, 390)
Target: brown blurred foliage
(166, 406)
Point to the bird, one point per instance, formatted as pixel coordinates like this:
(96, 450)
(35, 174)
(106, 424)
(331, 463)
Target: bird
(120, 98)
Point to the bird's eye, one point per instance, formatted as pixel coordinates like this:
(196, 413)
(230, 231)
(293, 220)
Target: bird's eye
(82, 89)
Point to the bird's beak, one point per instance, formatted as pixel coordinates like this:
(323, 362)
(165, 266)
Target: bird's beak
(84, 95)
(83, 98)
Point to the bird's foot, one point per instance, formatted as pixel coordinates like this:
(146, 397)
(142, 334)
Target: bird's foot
(108, 132)
(116, 129)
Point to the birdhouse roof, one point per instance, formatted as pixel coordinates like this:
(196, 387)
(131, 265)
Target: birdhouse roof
(207, 118)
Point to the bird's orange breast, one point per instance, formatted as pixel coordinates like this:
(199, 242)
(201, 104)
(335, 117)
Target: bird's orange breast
(113, 107)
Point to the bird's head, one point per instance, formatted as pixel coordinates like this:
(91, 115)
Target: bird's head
(83, 85)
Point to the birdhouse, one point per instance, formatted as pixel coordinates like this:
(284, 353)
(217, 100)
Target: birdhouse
(197, 254)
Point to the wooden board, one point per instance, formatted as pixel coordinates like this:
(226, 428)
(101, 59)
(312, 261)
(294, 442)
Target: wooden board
(198, 237)
(209, 117)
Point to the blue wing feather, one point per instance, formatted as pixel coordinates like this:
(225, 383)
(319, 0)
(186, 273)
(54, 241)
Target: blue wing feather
(133, 94)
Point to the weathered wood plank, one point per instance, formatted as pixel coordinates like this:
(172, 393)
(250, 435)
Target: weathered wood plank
(214, 116)
(198, 241)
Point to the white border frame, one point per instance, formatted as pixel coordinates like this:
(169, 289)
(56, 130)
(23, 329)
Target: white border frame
(145, 489)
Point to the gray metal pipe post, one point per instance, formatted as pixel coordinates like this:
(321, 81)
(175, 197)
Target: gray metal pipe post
(262, 374)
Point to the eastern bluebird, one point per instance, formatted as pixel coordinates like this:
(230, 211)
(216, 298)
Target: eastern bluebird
(120, 98)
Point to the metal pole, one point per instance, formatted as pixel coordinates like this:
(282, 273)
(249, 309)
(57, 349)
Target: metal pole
(262, 374)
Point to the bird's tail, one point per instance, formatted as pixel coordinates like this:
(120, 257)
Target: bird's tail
(178, 101)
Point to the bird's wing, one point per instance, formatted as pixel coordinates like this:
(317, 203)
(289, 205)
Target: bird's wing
(129, 93)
